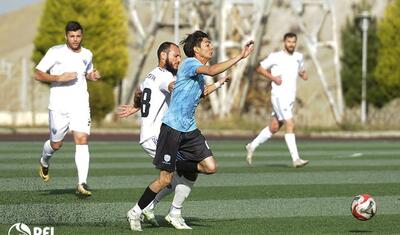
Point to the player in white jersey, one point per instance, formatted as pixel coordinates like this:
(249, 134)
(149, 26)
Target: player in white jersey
(152, 98)
(282, 68)
(67, 67)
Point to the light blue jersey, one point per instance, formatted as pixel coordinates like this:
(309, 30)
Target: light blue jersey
(185, 97)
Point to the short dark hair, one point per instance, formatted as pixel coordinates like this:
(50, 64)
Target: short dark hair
(193, 40)
(289, 35)
(164, 47)
(73, 26)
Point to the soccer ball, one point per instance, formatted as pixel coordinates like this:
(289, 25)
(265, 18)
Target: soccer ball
(363, 207)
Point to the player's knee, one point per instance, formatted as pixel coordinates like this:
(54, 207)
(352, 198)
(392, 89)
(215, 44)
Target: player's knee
(211, 169)
(289, 126)
(274, 128)
(56, 145)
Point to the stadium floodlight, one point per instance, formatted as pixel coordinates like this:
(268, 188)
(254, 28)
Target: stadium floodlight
(364, 19)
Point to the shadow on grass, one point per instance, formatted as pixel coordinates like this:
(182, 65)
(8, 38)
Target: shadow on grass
(360, 231)
(66, 192)
(277, 165)
(58, 191)
(190, 221)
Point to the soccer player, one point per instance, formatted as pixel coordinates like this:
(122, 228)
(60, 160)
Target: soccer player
(67, 67)
(153, 98)
(181, 146)
(282, 68)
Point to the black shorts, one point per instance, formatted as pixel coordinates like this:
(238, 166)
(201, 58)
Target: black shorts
(173, 145)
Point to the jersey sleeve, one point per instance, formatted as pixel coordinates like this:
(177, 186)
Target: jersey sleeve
(268, 62)
(89, 67)
(141, 86)
(301, 62)
(191, 66)
(165, 82)
(47, 62)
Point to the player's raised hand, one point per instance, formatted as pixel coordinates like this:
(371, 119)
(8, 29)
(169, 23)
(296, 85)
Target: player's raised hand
(67, 76)
(94, 75)
(126, 110)
(247, 49)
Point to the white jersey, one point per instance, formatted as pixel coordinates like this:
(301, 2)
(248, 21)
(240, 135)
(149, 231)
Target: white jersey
(287, 66)
(155, 101)
(72, 95)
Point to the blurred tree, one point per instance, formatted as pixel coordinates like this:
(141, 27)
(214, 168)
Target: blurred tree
(101, 97)
(351, 59)
(105, 33)
(388, 69)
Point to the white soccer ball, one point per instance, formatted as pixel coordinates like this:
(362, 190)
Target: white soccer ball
(363, 207)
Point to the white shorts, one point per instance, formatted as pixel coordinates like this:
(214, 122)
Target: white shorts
(282, 108)
(150, 146)
(61, 122)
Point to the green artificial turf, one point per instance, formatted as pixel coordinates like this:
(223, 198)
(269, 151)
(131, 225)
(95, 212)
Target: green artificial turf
(270, 197)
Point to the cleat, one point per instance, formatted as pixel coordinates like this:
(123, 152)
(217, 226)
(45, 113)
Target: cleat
(177, 221)
(44, 172)
(300, 163)
(134, 220)
(149, 217)
(83, 190)
(249, 156)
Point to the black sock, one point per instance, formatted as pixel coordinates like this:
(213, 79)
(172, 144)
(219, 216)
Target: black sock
(186, 166)
(147, 196)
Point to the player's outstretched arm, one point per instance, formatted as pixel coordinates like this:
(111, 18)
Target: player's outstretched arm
(265, 73)
(45, 77)
(215, 69)
(126, 110)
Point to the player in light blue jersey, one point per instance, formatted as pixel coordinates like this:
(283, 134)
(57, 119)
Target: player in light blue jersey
(187, 92)
(181, 147)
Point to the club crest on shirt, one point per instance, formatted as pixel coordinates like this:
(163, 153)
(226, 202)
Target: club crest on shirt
(85, 62)
(54, 131)
(167, 159)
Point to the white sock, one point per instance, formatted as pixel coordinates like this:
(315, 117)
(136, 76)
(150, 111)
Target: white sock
(182, 191)
(291, 144)
(82, 162)
(137, 209)
(47, 152)
(152, 205)
(264, 135)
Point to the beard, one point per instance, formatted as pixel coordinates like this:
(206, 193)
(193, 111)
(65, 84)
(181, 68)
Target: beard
(290, 49)
(170, 67)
